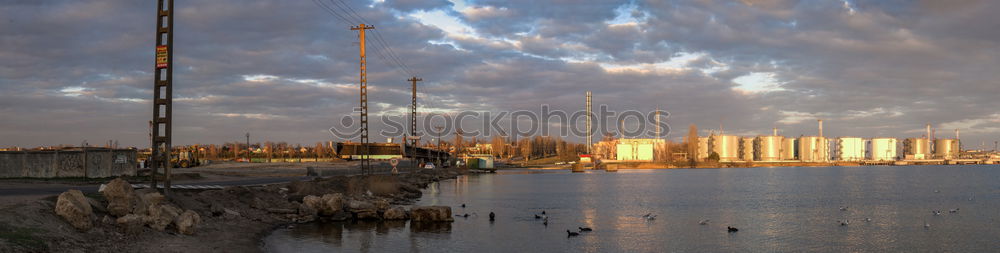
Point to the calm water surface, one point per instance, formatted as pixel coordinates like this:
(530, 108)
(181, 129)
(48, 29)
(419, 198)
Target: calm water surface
(786, 209)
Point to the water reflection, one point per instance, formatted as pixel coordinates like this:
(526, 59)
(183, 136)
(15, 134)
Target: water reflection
(776, 209)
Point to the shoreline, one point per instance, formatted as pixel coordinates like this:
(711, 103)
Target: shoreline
(234, 219)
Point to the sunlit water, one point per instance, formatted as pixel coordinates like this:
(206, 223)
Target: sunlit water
(786, 209)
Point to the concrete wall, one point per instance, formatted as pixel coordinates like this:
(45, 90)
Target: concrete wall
(98, 163)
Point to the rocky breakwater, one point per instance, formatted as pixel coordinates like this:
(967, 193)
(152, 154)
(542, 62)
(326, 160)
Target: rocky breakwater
(236, 218)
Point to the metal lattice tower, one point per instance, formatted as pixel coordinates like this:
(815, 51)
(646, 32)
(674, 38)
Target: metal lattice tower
(365, 161)
(162, 93)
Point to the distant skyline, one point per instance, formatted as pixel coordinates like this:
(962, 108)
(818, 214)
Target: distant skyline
(287, 70)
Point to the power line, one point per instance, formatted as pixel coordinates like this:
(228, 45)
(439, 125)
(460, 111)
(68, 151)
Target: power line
(378, 36)
(331, 11)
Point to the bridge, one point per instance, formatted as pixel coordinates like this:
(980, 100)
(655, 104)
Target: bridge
(353, 150)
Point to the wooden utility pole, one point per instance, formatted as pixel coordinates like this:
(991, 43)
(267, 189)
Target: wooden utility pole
(162, 94)
(365, 162)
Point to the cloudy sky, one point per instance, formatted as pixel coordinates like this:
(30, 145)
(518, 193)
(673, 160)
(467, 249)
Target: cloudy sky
(287, 70)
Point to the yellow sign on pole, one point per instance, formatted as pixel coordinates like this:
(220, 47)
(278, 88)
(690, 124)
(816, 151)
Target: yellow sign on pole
(161, 57)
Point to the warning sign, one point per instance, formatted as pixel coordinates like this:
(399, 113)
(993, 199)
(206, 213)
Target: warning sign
(161, 56)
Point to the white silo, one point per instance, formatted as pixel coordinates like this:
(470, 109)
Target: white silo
(883, 149)
(727, 146)
(813, 149)
(790, 149)
(850, 149)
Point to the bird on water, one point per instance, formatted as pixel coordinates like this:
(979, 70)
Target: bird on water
(583, 229)
(732, 229)
(571, 233)
(492, 216)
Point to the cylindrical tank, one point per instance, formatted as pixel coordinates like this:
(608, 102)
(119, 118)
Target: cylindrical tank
(790, 149)
(746, 149)
(946, 148)
(916, 148)
(727, 146)
(883, 149)
(850, 149)
(767, 148)
(813, 149)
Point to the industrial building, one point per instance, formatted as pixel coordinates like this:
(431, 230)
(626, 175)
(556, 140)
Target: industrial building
(637, 149)
(882, 149)
(850, 149)
(727, 146)
(702, 148)
(813, 149)
(916, 149)
(767, 148)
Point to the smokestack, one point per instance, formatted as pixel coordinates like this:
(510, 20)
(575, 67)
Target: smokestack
(590, 133)
(928, 134)
(775, 131)
(956, 134)
(820, 127)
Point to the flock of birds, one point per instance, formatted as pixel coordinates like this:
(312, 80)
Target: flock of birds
(730, 229)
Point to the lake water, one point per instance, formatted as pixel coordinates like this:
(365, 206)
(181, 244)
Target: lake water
(783, 209)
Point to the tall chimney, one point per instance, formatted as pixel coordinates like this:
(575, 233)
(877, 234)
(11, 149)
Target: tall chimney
(820, 128)
(928, 134)
(775, 131)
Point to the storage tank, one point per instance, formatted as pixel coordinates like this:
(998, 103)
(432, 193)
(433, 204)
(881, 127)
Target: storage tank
(702, 148)
(850, 149)
(789, 149)
(883, 149)
(727, 146)
(946, 148)
(767, 148)
(916, 148)
(746, 149)
(813, 149)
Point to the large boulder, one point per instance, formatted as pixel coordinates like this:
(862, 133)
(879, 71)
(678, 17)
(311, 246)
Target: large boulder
(130, 223)
(75, 209)
(120, 196)
(161, 216)
(187, 222)
(332, 203)
(394, 213)
(362, 210)
(431, 213)
(146, 199)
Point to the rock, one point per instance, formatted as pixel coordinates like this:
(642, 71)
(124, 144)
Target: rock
(305, 214)
(362, 210)
(313, 202)
(120, 196)
(394, 213)
(130, 224)
(75, 209)
(96, 206)
(332, 203)
(231, 212)
(187, 222)
(431, 213)
(145, 200)
(382, 204)
(217, 209)
(161, 216)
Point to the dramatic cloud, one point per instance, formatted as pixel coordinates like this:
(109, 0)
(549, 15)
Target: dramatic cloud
(72, 71)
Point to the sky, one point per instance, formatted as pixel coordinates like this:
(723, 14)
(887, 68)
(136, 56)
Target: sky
(287, 70)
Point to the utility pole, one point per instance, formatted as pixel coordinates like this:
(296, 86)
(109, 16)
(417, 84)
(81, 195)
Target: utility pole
(248, 147)
(163, 94)
(413, 119)
(590, 133)
(439, 128)
(365, 162)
